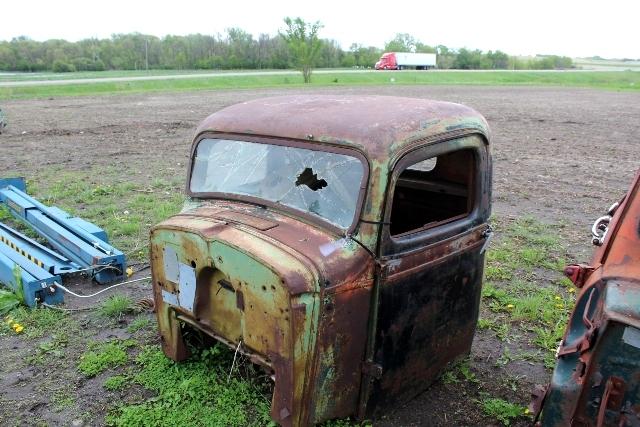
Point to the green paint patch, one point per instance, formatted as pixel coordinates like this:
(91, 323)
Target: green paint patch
(195, 392)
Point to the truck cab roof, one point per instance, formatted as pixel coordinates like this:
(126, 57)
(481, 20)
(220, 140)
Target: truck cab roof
(381, 127)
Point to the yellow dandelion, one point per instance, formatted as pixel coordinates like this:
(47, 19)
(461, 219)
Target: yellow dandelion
(527, 411)
(559, 306)
(510, 306)
(17, 327)
(129, 271)
(558, 298)
(571, 290)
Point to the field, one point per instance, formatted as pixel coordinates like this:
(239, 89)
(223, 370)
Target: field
(562, 155)
(23, 86)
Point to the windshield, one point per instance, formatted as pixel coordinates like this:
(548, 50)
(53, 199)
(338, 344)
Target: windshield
(317, 182)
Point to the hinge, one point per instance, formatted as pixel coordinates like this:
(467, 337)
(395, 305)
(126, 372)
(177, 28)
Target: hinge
(372, 369)
(578, 273)
(488, 235)
(382, 269)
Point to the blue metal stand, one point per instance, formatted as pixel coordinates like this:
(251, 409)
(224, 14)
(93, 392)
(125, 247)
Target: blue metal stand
(37, 283)
(83, 245)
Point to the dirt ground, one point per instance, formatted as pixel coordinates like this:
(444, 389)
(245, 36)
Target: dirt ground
(560, 155)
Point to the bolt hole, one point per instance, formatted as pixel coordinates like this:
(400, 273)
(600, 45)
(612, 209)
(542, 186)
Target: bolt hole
(264, 288)
(273, 288)
(193, 264)
(160, 284)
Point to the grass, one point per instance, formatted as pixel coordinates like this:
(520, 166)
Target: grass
(517, 294)
(38, 321)
(116, 383)
(62, 400)
(116, 306)
(195, 392)
(139, 323)
(51, 349)
(124, 209)
(460, 371)
(103, 356)
(609, 80)
(501, 410)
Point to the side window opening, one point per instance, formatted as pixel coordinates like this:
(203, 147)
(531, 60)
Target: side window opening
(433, 191)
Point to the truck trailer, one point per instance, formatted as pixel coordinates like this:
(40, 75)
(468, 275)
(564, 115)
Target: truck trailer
(406, 60)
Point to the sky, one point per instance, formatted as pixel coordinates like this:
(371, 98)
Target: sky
(563, 27)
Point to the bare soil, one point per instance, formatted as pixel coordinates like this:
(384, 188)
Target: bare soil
(560, 155)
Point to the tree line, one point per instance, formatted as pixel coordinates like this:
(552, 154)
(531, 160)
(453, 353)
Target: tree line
(235, 49)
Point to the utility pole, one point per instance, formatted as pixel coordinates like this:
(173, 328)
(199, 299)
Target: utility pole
(146, 53)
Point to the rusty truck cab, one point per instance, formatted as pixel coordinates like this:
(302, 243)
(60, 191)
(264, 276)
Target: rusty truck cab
(338, 241)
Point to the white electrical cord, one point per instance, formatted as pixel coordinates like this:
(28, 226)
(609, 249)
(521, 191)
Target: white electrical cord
(58, 285)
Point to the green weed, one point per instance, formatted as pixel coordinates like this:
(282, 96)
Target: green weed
(461, 370)
(50, 349)
(450, 377)
(140, 322)
(116, 306)
(194, 392)
(503, 411)
(486, 323)
(38, 321)
(517, 295)
(104, 356)
(115, 383)
(62, 400)
(8, 301)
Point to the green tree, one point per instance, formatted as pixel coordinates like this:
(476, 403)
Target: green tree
(304, 44)
(402, 42)
(424, 48)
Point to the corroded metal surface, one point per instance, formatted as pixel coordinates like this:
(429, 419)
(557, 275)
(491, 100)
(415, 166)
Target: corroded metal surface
(347, 321)
(596, 381)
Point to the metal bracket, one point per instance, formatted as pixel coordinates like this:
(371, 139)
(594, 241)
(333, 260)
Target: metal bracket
(488, 235)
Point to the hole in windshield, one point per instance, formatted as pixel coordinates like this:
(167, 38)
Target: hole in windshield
(292, 176)
(310, 179)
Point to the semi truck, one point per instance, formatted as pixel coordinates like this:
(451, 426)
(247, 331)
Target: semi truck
(406, 60)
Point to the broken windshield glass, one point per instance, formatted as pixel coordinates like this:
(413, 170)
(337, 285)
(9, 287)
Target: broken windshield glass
(318, 182)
